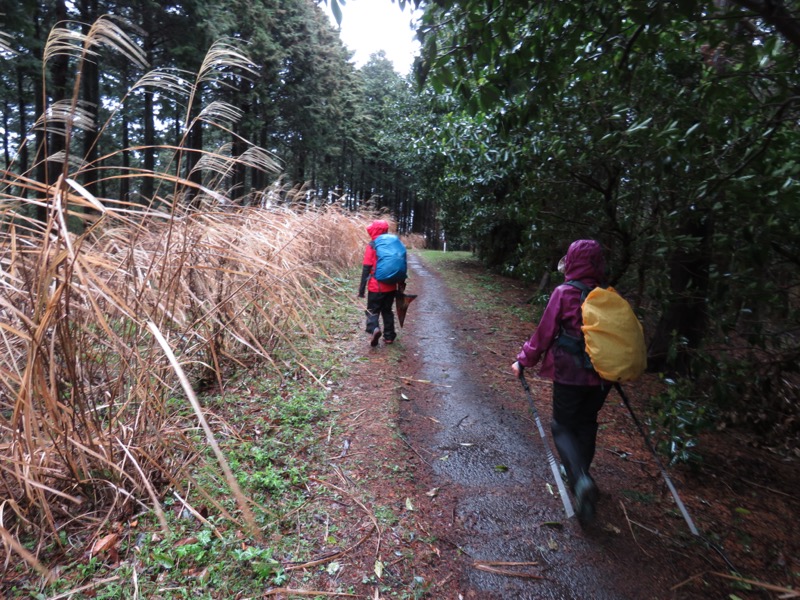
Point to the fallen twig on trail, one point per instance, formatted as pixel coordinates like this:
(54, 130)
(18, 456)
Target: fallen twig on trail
(625, 456)
(364, 508)
(685, 581)
(198, 516)
(414, 450)
(295, 592)
(769, 489)
(328, 557)
(788, 593)
(244, 506)
(645, 527)
(491, 567)
(748, 482)
(630, 528)
(425, 381)
(344, 477)
(27, 556)
(354, 416)
(445, 580)
(94, 584)
(500, 563)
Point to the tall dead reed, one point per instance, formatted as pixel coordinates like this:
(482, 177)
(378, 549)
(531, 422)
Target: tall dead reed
(108, 309)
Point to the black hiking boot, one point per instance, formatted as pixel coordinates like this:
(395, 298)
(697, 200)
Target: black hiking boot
(376, 336)
(586, 494)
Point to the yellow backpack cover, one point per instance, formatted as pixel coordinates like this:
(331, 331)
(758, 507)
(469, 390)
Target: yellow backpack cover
(614, 336)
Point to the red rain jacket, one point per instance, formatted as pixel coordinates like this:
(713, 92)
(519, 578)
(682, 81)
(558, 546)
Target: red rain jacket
(375, 229)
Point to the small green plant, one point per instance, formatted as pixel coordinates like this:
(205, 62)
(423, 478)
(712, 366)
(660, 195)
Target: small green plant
(638, 496)
(386, 515)
(678, 420)
(261, 561)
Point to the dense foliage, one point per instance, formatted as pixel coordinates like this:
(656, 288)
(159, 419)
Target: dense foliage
(668, 130)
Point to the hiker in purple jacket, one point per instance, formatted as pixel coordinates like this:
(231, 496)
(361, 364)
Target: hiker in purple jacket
(578, 391)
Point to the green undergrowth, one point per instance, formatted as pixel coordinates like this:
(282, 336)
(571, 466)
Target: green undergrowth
(473, 286)
(274, 424)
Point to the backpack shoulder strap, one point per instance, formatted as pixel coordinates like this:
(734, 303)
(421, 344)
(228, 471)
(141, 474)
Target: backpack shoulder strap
(579, 285)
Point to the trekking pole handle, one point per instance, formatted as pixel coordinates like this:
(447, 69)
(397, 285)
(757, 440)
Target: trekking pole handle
(524, 383)
(522, 377)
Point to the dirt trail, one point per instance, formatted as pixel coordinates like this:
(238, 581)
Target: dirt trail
(484, 454)
(468, 483)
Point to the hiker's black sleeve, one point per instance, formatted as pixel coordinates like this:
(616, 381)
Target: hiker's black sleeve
(365, 271)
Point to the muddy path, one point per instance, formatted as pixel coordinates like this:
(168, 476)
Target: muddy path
(444, 446)
(482, 457)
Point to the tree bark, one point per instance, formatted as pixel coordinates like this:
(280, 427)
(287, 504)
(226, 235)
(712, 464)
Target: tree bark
(22, 106)
(685, 320)
(776, 14)
(90, 84)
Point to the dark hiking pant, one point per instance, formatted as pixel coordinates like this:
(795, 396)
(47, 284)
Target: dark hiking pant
(574, 425)
(379, 306)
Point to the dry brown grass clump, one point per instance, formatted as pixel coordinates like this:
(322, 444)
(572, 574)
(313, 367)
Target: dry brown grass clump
(415, 240)
(84, 379)
(109, 309)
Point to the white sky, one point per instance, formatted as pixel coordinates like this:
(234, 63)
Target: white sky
(372, 25)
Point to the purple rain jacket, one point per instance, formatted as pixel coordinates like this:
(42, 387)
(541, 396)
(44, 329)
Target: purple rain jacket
(584, 262)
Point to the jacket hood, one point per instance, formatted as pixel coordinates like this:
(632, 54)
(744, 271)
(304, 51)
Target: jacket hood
(377, 228)
(585, 261)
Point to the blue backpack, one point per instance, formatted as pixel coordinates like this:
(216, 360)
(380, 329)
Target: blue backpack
(391, 263)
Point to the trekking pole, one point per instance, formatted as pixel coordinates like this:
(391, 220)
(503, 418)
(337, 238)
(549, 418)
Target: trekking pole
(671, 487)
(553, 467)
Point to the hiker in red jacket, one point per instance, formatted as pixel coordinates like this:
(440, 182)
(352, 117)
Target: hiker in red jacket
(381, 295)
(578, 391)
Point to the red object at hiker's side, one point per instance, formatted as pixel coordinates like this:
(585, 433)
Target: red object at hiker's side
(402, 300)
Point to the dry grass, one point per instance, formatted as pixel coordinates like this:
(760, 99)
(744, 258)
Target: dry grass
(109, 310)
(415, 240)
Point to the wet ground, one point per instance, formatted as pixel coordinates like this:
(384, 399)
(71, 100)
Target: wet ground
(478, 511)
(494, 464)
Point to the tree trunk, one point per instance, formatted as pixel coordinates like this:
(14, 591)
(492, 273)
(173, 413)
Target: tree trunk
(90, 84)
(239, 183)
(39, 162)
(22, 105)
(124, 185)
(56, 140)
(148, 118)
(6, 151)
(685, 319)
